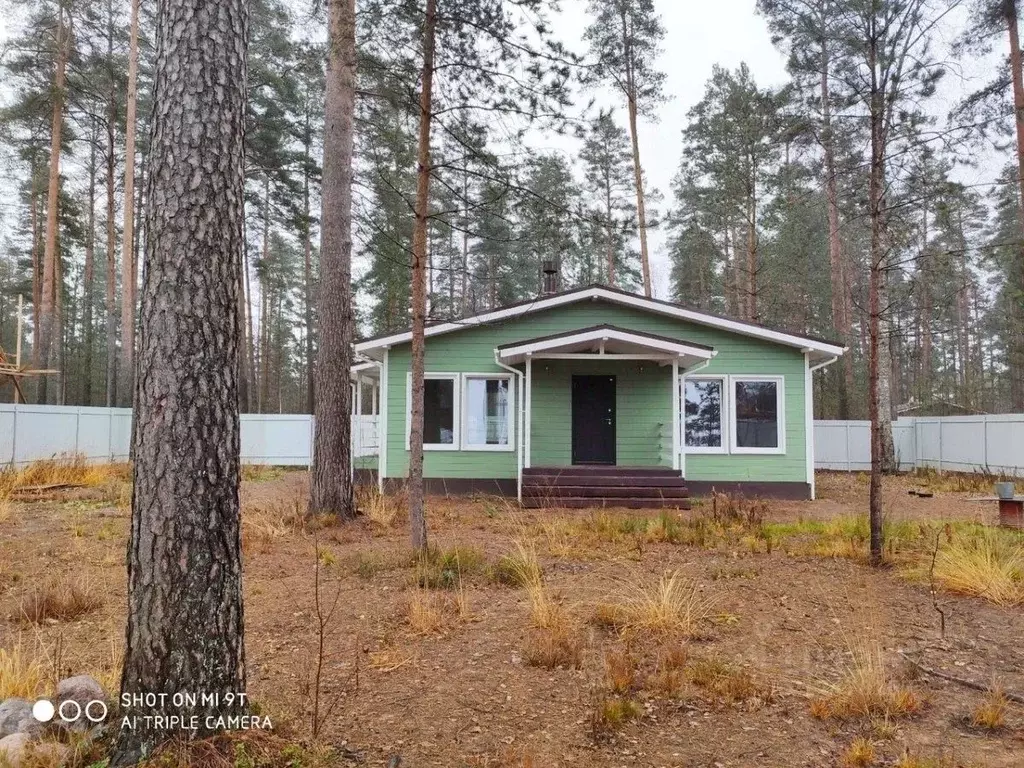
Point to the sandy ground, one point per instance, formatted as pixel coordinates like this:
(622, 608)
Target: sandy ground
(466, 697)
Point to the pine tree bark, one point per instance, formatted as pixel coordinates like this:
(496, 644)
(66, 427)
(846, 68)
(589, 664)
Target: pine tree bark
(839, 281)
(331, 476)
(1017, 345)
(49, 310)
(185, 618)
(89, 274)
(128, 277)
(417, 518)
(638, 176)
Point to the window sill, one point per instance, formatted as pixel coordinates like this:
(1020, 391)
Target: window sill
(489, 448)
(759, 451)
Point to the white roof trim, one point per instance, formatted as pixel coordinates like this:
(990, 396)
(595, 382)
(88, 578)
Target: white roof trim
(598, 334)
(615, 297)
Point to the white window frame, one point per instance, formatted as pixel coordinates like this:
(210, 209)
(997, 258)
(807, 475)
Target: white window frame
(780, 404)
(464, 413)
(724, 417)
(456, 380)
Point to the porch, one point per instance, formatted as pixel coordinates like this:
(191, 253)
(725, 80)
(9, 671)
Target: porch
(604, 486)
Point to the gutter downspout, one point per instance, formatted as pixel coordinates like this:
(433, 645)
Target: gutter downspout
(522, 423)
(809, 415)
(680, 411)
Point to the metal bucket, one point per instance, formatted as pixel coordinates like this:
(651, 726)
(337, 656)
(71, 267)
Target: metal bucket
(1004, 490)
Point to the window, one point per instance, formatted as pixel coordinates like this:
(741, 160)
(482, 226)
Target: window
(703, 410)
(487, 416)
(440, 411)
(757, 415)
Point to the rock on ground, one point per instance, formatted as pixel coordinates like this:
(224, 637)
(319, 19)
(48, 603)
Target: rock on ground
(16, 716)
(81, 689)
(13, 749)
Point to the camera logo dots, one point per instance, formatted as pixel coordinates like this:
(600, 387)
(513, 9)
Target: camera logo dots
(70, 711)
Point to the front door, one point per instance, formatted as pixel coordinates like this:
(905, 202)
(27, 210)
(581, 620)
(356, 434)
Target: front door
(593, 419)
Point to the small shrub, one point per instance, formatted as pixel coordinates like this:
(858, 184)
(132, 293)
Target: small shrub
(64, 601)
(860, 754)
(667, 678)
(619, 670)
(990, 715)
(673, 606)
(556, 645)
(738, 511)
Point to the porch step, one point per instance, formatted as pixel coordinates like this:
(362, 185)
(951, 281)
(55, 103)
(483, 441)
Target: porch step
(603, 491)
(604, 486)
(605, 503)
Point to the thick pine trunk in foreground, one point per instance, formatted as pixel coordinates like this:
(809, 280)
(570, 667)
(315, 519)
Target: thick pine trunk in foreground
(331, 477)
(417, 519)
(185, 627)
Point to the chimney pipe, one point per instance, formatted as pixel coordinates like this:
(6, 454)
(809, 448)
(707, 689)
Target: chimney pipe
(549, 284)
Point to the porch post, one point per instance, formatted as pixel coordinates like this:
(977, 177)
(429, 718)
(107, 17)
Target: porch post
(527, 417)
(676, 453)
(382, 423)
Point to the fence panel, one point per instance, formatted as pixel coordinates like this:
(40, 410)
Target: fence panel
(33, 432)
(951, 443)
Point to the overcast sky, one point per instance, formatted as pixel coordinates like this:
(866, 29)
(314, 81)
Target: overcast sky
(698, 35)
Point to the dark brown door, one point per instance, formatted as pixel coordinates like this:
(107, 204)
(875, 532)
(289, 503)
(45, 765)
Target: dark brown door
(593, 419)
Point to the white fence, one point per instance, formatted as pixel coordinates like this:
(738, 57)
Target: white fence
(951, 443)
(32, 432)
(956, 443)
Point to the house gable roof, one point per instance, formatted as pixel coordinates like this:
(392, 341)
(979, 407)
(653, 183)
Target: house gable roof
(623, 341)
(615, 296)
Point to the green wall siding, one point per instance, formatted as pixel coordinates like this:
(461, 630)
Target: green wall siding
(642, 419)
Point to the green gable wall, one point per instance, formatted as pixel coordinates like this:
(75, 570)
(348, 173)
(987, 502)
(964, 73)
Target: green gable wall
(644, 431)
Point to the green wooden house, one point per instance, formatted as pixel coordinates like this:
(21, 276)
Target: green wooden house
(599, 397)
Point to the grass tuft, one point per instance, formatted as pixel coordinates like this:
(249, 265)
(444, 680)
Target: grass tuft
(20, 676)
(519, 568)
(381, 509)
(990, 565)
(990, 715)
(613, 712)
(445, 568)
(866, 690)
(860, 754)
(730, 684)
(673, 606)
(58, 601)
(619, 670)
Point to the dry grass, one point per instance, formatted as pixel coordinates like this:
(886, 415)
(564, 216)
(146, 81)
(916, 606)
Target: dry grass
(619, 670)
(990, 715)
(668, 675)
(66, 470)
(21, 675)
(519, 568)
(866, 690)
(989, 565)
(265, 524)
(611, 713)
(727, 683)
(673, 606)
(426, 612)
(555, 638)
(260, 473)
(6, 510)
(860, 754)
(439, 568)
(381, 509)
(65, 600)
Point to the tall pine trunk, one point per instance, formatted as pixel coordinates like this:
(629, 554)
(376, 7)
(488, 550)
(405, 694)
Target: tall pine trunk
(417, 519)
(638, 176)
(185, 617)
(307, 268)
(331, 477)
(89, 275)
(49, 347)
(1017, 303)
(128, 278)
(840, 288)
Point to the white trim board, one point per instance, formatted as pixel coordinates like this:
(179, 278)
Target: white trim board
(615, 297)
(662, 346)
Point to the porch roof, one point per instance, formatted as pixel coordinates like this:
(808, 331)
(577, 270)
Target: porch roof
(607, 342)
